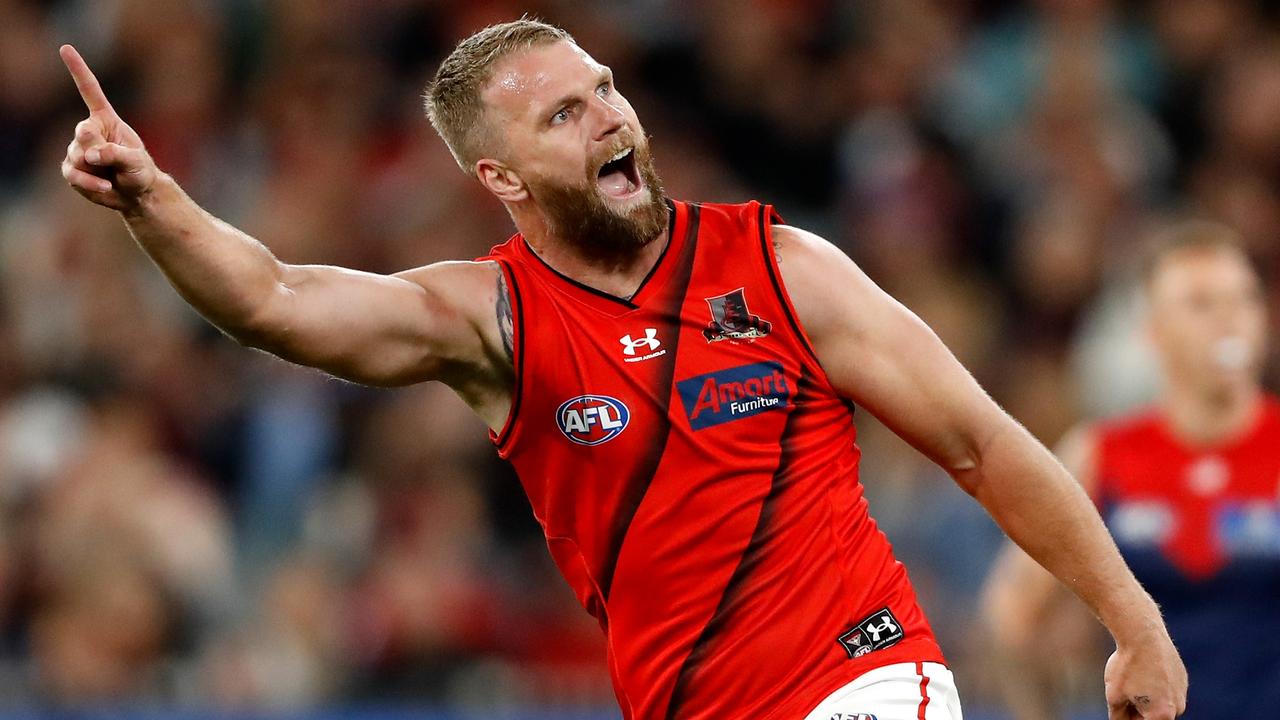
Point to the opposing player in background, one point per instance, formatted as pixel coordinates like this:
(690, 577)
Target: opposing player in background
(672, 382)
(1190, 488)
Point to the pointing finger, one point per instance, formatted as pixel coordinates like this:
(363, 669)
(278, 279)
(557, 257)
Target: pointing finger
(86, 83)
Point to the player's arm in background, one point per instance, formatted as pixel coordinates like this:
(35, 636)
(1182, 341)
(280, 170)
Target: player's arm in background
(880, 355)
(429, 323)
(1024, 608)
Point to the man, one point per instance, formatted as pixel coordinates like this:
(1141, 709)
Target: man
(1190, 488)
(681, 423)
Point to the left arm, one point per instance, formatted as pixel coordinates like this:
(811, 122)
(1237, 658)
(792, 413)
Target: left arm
(880, 355)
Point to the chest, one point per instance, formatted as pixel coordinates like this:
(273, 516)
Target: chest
(1201, 511)
(711, 360)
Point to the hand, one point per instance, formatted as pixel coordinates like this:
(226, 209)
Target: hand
(106, 161)
(1146, 682)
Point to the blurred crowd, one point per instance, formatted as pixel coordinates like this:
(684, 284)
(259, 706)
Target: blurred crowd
(187, 522)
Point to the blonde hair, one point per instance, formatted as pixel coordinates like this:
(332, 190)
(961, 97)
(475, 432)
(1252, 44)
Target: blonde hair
(452, 99)
(1194, 236)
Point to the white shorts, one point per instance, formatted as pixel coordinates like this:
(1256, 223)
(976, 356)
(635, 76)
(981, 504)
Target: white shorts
(905, 691)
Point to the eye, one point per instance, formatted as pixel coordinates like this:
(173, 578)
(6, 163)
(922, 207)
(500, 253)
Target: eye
(560, 117)
(604, 88)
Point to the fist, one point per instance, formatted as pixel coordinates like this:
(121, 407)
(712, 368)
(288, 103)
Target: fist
(1148, 682)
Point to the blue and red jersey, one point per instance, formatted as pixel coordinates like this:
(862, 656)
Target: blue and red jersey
(1200, 526)
(696, 476)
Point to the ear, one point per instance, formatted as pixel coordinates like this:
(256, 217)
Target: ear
(501, 180)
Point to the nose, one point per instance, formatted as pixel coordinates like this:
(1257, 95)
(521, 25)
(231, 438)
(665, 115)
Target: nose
(610, 118)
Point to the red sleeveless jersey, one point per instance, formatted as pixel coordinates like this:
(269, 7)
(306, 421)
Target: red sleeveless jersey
(1200, 527)
(697, 479)
(1196, 506)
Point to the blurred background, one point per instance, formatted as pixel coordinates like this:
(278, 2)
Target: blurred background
(190, 526)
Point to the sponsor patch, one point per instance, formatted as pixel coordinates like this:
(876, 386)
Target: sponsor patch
(878, 631)
(733, 394)
(852, 716)
(592, 419)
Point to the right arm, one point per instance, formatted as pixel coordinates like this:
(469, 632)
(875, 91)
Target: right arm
(423, 324)
(1024, 608)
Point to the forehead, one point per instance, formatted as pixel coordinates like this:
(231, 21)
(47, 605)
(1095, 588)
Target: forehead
(1197, 269)
(528, 80)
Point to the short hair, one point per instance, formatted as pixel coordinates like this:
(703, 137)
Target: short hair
(1191, 236)
(452, 99)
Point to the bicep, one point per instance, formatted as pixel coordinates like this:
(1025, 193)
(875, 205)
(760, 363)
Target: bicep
(880, 355)
(369, 328)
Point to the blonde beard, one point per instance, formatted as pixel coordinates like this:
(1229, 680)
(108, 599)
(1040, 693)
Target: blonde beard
(579, 216)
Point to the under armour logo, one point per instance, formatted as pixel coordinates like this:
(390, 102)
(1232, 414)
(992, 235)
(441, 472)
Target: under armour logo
(877, 631)
(886, 626)
(650, 341)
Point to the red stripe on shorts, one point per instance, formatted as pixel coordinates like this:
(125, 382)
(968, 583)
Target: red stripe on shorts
(924, 690)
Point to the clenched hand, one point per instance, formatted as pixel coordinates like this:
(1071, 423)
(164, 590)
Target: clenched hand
(106, 161)
(1149, 683)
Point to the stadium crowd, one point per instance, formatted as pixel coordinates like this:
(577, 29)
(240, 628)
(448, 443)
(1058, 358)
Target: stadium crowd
(184, 521)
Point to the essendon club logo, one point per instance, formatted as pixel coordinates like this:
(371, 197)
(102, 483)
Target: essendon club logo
(731, 319)
(592, 419)
(734, 393)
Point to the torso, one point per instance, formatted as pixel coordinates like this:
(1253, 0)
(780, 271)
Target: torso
(696, 477)
(1201, 529)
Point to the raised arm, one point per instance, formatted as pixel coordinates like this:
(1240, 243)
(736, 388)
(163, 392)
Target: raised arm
(436, 322)
(880, 355)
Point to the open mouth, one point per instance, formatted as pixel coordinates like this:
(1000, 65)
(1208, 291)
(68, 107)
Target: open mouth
(619, 178)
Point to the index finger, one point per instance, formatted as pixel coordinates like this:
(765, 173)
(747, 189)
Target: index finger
(86, 83)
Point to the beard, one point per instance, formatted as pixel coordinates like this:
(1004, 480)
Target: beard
(580, 216)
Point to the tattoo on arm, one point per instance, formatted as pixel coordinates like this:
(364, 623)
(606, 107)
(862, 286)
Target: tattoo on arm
(777, 251)
(506, 326)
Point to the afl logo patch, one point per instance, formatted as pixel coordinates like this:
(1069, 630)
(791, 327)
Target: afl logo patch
(592, 419)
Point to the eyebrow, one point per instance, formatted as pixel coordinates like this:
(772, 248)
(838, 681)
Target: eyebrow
(605, 73)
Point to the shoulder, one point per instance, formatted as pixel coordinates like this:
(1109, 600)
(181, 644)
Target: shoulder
(1129, 427)
(1089, 447)
(802, 245)
(1271, 410)
(1078, 452)
(465, 299)
(829, 290)
(461, 280)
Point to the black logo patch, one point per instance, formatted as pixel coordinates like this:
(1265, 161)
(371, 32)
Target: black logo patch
(878, 631)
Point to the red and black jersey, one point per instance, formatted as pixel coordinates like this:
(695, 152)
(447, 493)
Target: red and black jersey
(697, 479)
(1200, 527)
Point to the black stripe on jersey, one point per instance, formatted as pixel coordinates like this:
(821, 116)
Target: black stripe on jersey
(750, 559)
(638, 484)
(769, 263)
(517, 363)
(671, 224)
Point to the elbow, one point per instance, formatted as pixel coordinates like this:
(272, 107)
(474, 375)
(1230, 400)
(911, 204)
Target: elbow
(970, 461)
(260, 323)
(965, 466)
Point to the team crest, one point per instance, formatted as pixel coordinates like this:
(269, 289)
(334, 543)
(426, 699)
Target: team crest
(732, 320)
